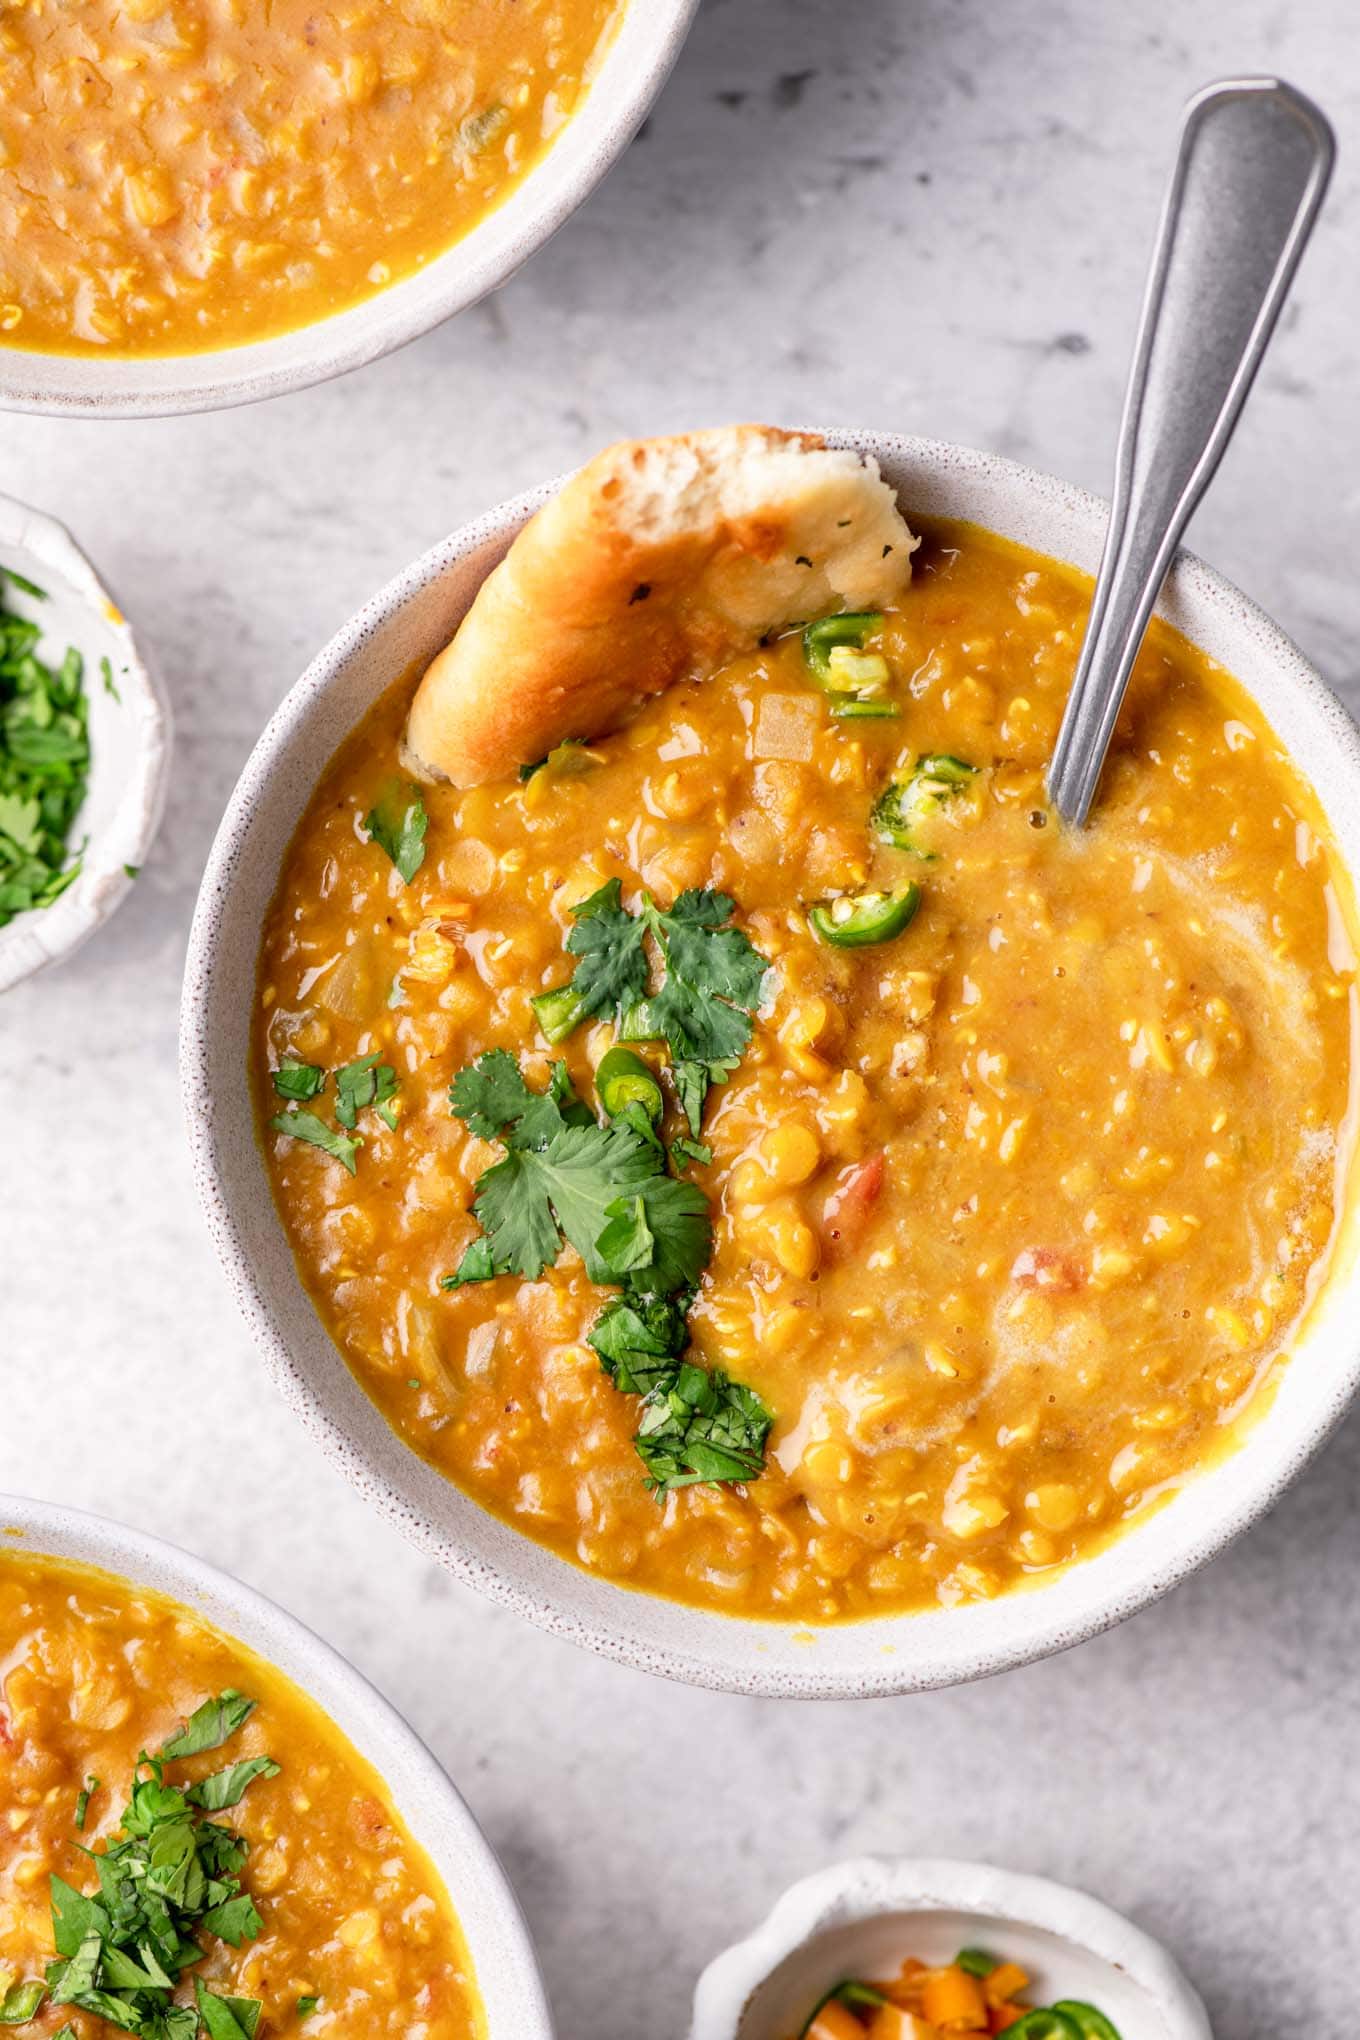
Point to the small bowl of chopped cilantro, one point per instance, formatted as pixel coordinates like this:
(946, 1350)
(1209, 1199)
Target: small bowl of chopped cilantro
(84, 746)
(901, 1948)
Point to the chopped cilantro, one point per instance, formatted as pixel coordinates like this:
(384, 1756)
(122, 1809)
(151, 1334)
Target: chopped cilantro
(711, 975)
(22, 581)
(169, 1876)
(364, 1083)
(640, 1340)
(696, 1424)
(299, 1080)
(397, 823)
(44, 763)
(210, 1725)
(132, 870)
(110, 684)
(83, 1802)
(306, 2006)
(605, 1188)
(683, 1150)
(691, 1081)
(341, 1147)
(701, 1426)
(227, 1788)
(560, 1177)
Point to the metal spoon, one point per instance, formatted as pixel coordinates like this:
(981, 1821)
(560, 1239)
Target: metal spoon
(1250, 176)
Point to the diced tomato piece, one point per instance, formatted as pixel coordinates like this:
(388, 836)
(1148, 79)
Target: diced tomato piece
(847, 1208)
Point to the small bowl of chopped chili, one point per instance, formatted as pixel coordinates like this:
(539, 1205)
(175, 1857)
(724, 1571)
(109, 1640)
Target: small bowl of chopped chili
(84, 746)
(908, 1949)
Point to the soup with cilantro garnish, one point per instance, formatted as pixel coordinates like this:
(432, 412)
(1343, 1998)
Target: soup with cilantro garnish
(763, 1157)
(190, 1846)
(175, 177)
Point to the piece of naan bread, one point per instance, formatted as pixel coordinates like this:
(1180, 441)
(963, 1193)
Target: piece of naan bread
(657, 562)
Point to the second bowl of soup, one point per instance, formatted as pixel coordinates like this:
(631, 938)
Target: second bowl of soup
(923, 1250)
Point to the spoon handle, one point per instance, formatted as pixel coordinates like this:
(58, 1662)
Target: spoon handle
(1251, 171)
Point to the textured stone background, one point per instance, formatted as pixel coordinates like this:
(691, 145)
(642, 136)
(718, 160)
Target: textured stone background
(930, 215)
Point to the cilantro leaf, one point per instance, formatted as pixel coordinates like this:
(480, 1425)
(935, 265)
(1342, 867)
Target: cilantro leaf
(711, 983)
(307, 2005)
(490, 1094)
(299, 1080)
(627, 1243)
(365, 1083)
(608, 939)
(210, 1725)
(341, 1147)
(560, 1177)
(397, 823)
(477, 1265)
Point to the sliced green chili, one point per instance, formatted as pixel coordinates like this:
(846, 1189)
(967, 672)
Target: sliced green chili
(820, 639)
(1046, 2022)
(975, 1962)
(560, 1012)
(853, 708)
(623, 1078)
(856, 919)
(1091, 2024)
(905, 803)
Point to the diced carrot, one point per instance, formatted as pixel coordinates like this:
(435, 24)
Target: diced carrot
(1006, 2015)
(892, 2022)
(953, 1999)
(835, 2022)
(1006, 1981)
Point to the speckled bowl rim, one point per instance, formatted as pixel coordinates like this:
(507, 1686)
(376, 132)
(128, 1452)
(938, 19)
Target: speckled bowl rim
(866, 1887)
(31, 1528)
(632, 72)
(1080, 1600)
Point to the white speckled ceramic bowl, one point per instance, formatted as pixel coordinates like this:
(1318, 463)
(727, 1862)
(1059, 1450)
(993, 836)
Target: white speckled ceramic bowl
(503, 1958)
(631, 73)
(402, 627)
(129, 737)
(863, 1918)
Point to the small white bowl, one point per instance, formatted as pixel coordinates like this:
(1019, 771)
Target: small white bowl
(633, 70)
(129, 737)
(865, 1917)
(402, 628)
(503, 1959)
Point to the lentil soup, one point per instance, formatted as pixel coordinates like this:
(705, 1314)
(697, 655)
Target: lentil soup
(1020, 1188)
(354, 1932)
(176, 176)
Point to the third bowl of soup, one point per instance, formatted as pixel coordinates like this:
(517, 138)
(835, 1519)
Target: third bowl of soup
(203, 205)
(701, 1143)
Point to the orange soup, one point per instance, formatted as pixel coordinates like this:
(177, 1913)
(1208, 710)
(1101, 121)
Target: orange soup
(991, 1167)
(186, 174)
(245, 1863)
